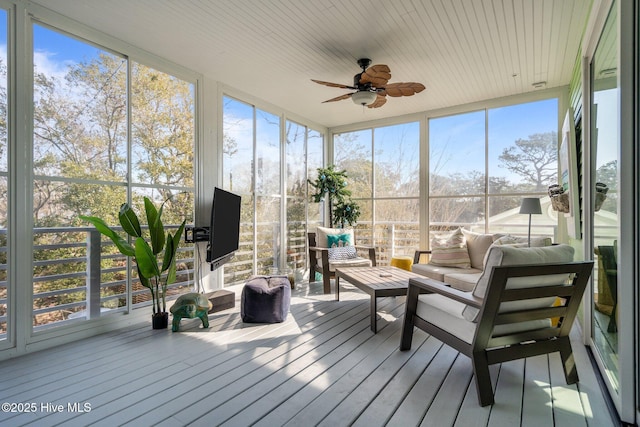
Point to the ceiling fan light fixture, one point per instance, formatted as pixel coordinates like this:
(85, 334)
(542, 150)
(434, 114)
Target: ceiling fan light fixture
(364, 97)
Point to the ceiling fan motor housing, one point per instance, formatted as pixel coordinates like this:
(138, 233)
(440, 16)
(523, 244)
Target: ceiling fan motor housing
(364, 63)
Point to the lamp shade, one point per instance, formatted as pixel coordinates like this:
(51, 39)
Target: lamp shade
(364, 97)
(530, 205)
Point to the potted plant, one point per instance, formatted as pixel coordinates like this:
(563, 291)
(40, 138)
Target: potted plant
(156, 269)
(346, 212)
(331, 184)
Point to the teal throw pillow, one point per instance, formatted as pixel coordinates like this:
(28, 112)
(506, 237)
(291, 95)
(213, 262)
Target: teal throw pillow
(338, 240)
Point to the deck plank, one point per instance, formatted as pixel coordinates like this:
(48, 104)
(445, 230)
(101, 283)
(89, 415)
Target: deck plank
(508, 395)
(417, 402)
(394, 393)
(471, 414)
(447, 402)
(567, 405)
(537, 403)
(323, 366)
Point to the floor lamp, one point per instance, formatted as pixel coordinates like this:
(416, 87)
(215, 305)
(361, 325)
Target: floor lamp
(530, 205)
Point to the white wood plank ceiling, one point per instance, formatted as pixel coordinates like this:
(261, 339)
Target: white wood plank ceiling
(461, 50)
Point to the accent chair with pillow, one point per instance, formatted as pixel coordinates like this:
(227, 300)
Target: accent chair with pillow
(509, 313)
(331, 248)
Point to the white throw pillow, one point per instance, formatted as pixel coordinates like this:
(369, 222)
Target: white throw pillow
(477, 245)
(450, 251)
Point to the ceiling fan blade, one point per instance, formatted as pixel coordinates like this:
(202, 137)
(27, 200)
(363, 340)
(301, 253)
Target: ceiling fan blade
(403, 89)
(379, 102)
(378, 75)
(333, 84)
(338, 98)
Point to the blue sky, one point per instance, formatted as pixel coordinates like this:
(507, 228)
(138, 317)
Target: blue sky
(61, 47)
(460, 139)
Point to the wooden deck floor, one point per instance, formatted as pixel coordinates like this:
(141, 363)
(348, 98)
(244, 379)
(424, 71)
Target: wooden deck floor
(323, 366)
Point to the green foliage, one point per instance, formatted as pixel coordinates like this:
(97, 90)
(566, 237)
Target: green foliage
(331, 184)
(152, 274)
(346, 212)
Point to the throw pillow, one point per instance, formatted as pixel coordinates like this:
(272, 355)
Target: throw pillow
(342, 253)
(450, 251)
(477, 245)
(339, 240)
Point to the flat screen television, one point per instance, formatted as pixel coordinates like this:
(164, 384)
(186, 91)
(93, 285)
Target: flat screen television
(224, 230)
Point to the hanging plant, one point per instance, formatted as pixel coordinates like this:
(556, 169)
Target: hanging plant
(346, 213)
(331, 185)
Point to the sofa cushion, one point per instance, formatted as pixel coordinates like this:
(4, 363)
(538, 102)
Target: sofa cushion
(450, 251)
(463, 281)
(508, 255)
(477, 246)
(439, 273)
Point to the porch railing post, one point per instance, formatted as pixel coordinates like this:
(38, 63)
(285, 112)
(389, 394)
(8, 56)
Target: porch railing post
(392, 239)
(93, 274)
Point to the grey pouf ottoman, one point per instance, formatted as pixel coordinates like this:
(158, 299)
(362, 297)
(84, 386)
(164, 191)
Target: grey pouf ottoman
(265, 299)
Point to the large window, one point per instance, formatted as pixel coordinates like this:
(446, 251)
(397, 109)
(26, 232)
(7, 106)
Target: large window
(106, 131)
(383, 167)
(482, 163)
(275, 203)
(306, 144)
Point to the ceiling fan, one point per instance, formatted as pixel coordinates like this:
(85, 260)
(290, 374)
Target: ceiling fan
(371, 86)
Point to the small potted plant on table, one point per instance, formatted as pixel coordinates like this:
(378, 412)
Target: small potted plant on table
(156, 269)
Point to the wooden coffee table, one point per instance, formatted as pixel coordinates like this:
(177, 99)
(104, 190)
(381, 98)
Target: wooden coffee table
(377, 282)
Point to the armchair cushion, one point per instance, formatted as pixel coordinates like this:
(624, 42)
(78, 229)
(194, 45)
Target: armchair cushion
(450, 251)
(352, 262)
(447, 314)
(509, 255)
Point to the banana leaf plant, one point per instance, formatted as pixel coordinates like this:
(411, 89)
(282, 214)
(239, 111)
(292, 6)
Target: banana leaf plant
(156, 270)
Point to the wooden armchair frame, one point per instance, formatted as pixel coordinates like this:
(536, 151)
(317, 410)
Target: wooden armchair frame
(485, 349)
(323, 269)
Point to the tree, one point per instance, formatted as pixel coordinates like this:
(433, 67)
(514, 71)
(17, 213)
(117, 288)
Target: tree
(535, 159)
(82, 161)
(608, 175)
